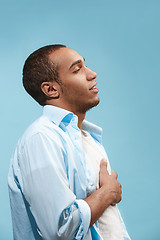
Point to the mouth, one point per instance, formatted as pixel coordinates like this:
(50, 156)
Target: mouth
(94, 89)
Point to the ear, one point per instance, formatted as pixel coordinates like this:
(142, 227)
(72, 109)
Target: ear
(51, 89)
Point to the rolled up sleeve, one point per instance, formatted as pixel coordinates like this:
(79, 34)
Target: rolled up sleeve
(85, 216)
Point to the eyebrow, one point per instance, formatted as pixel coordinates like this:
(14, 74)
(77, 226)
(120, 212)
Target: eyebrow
(76, 62)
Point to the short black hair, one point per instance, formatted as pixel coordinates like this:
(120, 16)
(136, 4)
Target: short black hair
(38, 68)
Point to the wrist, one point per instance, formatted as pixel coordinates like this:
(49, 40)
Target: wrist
(107, 196)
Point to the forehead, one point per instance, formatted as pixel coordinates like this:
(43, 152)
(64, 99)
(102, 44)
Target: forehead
(64, 57)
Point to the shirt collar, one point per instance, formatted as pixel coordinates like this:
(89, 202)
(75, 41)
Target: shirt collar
(94, 130)
(58, 115)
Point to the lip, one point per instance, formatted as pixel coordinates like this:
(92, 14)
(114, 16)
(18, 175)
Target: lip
(93, 87)
(95, 90)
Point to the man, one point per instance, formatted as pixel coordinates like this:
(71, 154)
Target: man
(60, 182)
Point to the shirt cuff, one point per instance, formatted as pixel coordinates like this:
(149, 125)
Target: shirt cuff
(85, 217)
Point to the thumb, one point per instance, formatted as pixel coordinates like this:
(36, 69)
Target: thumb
(103, 165)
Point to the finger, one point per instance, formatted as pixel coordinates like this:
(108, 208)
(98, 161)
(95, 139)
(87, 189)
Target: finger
(114, 174)
(103, 166)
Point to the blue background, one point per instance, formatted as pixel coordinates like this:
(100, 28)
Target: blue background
(120, 40)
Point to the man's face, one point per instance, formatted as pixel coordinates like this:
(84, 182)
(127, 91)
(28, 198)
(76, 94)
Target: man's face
(78, 93)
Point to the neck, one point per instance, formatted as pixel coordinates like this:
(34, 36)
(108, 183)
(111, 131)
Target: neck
(81, 117)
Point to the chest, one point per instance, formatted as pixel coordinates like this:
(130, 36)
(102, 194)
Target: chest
(80, 169)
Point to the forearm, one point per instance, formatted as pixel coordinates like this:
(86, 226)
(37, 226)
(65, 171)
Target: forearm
(98, 202)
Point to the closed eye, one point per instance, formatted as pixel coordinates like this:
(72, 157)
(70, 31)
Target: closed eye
(77, 70)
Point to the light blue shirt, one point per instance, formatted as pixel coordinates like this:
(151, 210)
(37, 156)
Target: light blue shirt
(49, 178)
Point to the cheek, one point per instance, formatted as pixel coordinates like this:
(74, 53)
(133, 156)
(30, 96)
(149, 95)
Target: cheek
(81, 90)
(76, 85)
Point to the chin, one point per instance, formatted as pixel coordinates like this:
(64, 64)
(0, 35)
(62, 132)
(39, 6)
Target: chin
(87, 107)
(96, 102)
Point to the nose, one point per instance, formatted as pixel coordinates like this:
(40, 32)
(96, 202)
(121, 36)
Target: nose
(91, 74)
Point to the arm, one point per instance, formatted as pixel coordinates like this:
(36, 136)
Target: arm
(109, 193)
(57, 212)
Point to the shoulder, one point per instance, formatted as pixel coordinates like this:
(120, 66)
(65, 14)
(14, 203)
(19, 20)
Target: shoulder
(40, 131)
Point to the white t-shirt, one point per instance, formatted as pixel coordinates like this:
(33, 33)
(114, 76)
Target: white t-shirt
(109, 223)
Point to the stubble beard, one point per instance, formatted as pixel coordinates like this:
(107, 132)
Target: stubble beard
(84, 108)
(81, 108)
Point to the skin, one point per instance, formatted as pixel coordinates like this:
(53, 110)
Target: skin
(109, 193)
(77, 93)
